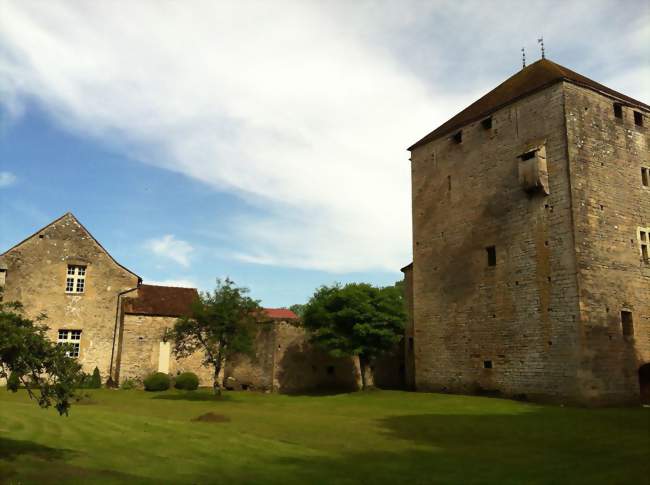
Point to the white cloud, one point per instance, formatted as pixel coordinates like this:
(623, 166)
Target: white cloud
(7, 179)
(169, 247)
(304, 109)
(182, 282)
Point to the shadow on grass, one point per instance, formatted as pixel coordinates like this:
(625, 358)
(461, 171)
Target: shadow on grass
(543, 446)
(11, 449)
(24, 462)
(193, 396)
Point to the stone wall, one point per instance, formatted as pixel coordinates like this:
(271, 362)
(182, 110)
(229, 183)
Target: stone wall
(507, 328)
(606, 154)
(36, 276)
(409, 342)
(140, 351)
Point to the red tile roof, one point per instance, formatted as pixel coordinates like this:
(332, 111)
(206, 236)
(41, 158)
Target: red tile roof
(280, 314)
(535, 77)
(164, 301)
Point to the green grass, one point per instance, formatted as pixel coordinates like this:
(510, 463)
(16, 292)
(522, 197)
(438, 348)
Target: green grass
(375, 437)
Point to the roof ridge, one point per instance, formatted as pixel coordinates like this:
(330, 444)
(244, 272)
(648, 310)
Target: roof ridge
(537, 76)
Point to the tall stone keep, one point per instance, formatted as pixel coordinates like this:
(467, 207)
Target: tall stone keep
(531, 233)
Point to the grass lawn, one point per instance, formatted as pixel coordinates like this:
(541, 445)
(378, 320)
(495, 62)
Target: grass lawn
(374, 437)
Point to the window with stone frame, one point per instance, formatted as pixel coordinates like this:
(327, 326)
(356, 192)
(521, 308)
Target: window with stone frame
(73, 339)
(643, 235)
(75, 281)
(645, 176)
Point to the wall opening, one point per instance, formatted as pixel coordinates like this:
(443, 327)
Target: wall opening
(487, 123)
(487, 364)
(627, 323)
(644, 383)
(458, 137)
(491, 255)
(330, 370)
(638, 118)
(645, 176)
(618, 110)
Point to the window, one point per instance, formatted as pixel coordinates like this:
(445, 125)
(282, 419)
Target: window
(491, 255)
(458, 137)
(330, 370)
(3, 277)
(645, 176)
(487, 123)
(528, 155)
(76, 279)
(644, 243)
(627, 324)
(638, 118)
(72, 338)
(487, 364)
(618, 110)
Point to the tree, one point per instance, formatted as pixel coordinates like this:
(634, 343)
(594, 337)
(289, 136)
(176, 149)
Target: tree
(357, 319)
(298, 309)
(221, 323)
(31, 359)
(96, 379)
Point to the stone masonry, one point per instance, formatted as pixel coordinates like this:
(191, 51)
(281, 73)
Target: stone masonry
(527, 209)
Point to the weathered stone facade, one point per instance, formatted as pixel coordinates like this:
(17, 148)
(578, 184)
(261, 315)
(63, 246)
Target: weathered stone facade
(119, 323)
(36, 275)
(525, 244)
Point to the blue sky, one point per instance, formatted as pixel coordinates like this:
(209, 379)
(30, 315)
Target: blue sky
(200, 139)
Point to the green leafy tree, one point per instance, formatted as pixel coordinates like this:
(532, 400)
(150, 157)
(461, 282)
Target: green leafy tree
(357, 319)
(34, 361)
(221, 324)
(298, 309)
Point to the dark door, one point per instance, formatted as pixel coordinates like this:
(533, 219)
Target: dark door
(644, 383)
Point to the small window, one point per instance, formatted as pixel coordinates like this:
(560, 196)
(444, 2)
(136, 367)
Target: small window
(627, 324)
(458, 137)
(487, 123)
(644, 244)
(75, 281)
(487, 364)
(638, 118)
(645, 176)
(330, 370)
(618, 110)
(449, 183)
(491, 255)
(528, 155)
(72, 339)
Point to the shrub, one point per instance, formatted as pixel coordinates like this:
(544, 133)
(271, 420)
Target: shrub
(128, 384)
(187, 381)
(157, 382)
(96, 379)
(13, 382)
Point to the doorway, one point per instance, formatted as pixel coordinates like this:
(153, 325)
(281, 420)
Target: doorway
(644, 383)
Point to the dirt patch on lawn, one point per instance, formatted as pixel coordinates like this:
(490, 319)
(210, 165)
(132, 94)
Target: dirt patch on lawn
(212, 418)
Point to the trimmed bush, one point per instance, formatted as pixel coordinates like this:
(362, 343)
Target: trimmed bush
(187, 381)
(13, 382)
(96, 379)
(128, 384)
(157, 382)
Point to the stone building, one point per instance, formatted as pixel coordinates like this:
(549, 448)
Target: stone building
(531, 228)
(117, 324)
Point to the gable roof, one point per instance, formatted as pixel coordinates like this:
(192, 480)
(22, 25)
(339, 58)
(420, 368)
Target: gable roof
(537, 76)
(71, 216)
(162, 301)
(280, 314)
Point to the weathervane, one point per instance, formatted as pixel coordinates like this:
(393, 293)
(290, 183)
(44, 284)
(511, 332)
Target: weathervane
(523, 57)
(541, 42)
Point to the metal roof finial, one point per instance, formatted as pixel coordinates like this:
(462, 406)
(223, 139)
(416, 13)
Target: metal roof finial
(523, 57)
(541, 42)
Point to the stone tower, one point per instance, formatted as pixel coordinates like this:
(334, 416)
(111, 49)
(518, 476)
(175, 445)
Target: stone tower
(531, 226)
